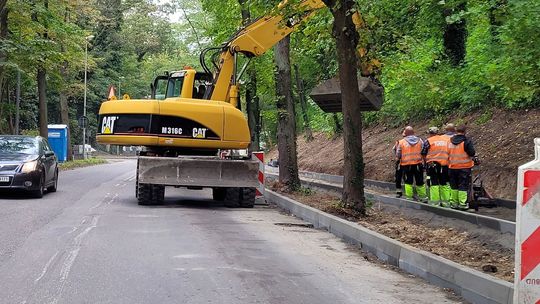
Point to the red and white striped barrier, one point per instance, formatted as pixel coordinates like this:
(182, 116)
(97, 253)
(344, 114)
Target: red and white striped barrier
(527, 279)
(259, 156)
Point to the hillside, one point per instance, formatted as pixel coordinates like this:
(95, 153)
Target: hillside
(503, 139)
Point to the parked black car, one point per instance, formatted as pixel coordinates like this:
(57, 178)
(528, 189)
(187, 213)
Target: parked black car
(27, 163)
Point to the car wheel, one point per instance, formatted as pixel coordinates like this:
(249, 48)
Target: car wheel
(54, 187)
(39, 193)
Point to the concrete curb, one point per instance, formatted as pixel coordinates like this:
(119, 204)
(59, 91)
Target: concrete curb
(474, 286)
(338, 179)
(496, 224)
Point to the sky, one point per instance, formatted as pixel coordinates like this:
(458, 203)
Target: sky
(175, 17)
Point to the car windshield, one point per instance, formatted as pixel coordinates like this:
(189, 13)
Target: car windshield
(13, 144)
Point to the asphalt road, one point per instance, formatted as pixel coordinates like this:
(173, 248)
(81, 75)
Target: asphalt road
(91, 243)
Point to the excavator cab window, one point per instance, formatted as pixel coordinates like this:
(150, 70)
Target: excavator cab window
(174, 88)
(202, 81)
(159, 88)
(167, 86)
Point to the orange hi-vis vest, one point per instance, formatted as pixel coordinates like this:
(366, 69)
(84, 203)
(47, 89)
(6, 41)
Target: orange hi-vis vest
(410, 155)
(438, 150)
(458, 158)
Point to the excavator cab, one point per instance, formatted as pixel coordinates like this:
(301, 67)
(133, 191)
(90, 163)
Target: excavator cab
(184, 84)
(179, 117)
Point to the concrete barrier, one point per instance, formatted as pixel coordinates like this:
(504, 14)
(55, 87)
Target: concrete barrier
(474, 286)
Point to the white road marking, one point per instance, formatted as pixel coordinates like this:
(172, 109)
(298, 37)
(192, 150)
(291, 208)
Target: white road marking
(72, 256)
(129, 179)
(46, 268)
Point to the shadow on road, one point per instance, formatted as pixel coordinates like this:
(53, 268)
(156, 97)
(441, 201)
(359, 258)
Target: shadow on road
(16, 195)
(191, 203)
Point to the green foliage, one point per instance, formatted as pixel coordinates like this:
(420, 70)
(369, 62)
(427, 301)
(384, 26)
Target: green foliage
(79, 163)
(305, 191)
(500, 68)
(136, 40)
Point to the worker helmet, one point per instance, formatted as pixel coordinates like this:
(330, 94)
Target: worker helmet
(433, 130)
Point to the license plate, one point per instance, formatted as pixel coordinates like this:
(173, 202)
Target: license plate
(4, 179)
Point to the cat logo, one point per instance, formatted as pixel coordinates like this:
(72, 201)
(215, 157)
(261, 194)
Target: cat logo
(199, 132)
(107, 126)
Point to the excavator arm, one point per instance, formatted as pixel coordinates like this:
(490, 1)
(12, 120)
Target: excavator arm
(180, 118)
(254, 40)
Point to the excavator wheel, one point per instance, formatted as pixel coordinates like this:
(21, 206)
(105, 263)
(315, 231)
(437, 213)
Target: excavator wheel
(144, 194)
(158, 194)
(248, 197)
(240, 197)
(232, 197)
(219, 194)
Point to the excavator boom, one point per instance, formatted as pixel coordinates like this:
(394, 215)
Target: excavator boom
(182, 116)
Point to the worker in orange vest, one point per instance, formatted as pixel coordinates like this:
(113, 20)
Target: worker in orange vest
(435, 152)
(399, 171)
(409, 153)
(445, 189)
(460, 161)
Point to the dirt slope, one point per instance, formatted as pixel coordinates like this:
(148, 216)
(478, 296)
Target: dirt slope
(503, 140)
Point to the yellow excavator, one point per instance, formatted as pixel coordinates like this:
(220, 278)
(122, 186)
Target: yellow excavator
(192, 115)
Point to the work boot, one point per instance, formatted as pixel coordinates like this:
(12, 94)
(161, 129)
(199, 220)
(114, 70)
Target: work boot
(462, 201)
(421, 192)
(434, 195)
(408, 191)
(454, 198)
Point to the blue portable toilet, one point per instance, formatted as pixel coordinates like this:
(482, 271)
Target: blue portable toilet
(58, 140)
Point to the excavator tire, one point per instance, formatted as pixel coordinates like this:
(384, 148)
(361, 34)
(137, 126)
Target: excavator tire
(144, 194)
(233, 197)
(248, 197)
(158, 194)
(219, 194)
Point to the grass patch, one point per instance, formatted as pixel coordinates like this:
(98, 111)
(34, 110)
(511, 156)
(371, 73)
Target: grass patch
(79, 163)
(485, 117)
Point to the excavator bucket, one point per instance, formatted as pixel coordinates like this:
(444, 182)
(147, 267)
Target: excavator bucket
(328, 95)
(198, 171)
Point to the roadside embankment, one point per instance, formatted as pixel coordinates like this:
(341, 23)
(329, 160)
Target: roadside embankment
(503, 139)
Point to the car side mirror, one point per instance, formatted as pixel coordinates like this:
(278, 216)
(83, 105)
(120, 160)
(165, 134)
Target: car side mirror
(49, 153)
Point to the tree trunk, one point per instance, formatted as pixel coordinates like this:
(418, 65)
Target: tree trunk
(303, 105)
(252, 101)
(346, 41)
(42, 97)
(41, 77)
(252, 109)
(64, 107)
(455, 36)
(3, 36)
(286, 132)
